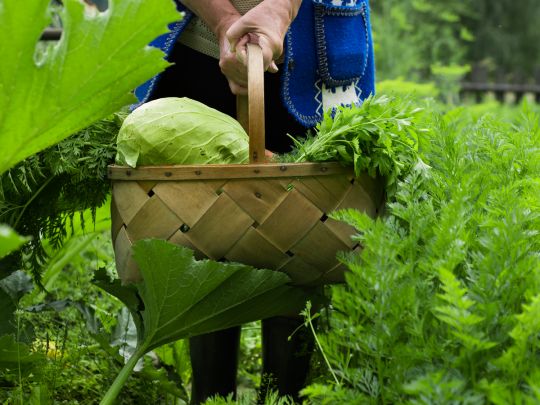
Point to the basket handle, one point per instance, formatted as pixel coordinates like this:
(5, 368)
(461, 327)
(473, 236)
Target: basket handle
(250, 108)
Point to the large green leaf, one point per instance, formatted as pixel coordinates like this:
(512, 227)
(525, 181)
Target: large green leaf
(87, 75)
(183, 297)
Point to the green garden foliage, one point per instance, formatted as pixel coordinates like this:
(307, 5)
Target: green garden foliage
(181, 297)
(48, 93)
(87, 75)
(405, 88)
(10, 240)
(378, 137)
(443, 304)
(12, 289)
(44, 196)
(17, 356)
(412, 35)
(506, 38)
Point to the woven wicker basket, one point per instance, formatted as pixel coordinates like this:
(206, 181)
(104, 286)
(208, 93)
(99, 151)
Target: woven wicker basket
(263, 214)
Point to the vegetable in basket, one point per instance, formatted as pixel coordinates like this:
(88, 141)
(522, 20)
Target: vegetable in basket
(175, 130)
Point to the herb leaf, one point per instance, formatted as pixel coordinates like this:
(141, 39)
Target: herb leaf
(379, 137)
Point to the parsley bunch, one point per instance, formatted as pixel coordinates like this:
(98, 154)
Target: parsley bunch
(379, 137)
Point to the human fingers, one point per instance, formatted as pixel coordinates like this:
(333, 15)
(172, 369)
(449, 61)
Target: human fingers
(272, 68)
(268, 154)
(233, 70)
(240, 49)
(236, 89)
(268, 54)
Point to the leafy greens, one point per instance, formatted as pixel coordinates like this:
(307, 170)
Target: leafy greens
(379, 137)
(442, 305)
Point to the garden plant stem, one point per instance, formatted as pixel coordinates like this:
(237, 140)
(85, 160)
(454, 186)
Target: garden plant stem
(308, 314)
(17, 311)
(120, 380)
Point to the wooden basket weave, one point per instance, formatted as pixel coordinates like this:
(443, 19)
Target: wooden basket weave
(263, 214)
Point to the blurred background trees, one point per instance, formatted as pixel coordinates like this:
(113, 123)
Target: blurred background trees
(500, 38)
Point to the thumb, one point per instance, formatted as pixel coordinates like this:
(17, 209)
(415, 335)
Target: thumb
(241, 49)
(272, 68)
(235, 32)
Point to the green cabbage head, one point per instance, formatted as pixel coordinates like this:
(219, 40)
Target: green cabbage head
(176, 131)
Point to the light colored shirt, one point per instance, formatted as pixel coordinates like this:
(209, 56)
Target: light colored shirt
(198, 36)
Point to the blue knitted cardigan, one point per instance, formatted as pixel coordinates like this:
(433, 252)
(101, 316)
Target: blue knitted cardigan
(327, 47)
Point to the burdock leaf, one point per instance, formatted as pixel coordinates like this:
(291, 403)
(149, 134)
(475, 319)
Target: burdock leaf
(184, 297)
(86, 76)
